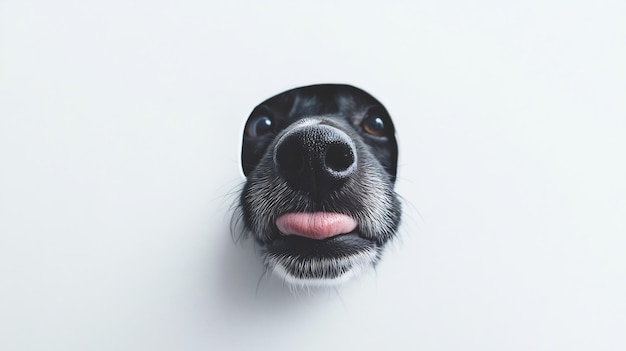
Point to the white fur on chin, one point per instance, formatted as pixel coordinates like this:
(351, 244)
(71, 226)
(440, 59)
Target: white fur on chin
(356, 263)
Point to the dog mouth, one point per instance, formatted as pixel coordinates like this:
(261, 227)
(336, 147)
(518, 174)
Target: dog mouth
(319, 248)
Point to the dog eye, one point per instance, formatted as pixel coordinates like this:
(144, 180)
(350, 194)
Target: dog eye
(259, 126)
(374, 125)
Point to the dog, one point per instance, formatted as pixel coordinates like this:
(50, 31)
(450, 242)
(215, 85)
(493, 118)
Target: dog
(320, 163)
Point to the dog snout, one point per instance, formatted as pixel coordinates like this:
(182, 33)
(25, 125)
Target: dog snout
(320, 163)
(315, 158)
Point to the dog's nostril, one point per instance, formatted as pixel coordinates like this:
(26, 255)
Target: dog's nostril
(290, 158)
(339, 157)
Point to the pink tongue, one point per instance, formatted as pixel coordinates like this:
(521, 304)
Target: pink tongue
(318, 225)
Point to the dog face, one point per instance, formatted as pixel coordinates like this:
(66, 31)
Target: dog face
(320, 163)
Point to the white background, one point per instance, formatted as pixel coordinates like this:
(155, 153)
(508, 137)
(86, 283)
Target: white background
(120, 128)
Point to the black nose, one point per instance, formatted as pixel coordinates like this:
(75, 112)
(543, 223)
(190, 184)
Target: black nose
(316, 158)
